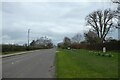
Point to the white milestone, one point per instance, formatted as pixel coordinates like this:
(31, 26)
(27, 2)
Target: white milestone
(104, 49)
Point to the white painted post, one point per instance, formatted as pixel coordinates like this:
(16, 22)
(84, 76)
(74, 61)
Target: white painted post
(104, 49)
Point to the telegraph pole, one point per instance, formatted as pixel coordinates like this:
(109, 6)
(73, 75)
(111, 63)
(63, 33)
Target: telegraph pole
(28, 37)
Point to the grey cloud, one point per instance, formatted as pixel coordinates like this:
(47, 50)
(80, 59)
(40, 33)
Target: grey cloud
(54, 20)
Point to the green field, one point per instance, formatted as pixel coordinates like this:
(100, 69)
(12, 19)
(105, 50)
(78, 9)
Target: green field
(85, 64)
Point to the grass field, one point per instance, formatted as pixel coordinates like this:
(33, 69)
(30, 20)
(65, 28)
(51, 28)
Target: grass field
(85, 64)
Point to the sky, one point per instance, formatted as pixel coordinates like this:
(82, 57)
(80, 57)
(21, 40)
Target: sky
(52, 19)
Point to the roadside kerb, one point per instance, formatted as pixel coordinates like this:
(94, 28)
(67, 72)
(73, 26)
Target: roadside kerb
(14, 54)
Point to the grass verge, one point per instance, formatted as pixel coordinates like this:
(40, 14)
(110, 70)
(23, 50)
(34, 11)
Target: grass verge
(85, 64)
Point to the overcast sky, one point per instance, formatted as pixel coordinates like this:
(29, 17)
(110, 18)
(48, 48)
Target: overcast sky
(52, 19)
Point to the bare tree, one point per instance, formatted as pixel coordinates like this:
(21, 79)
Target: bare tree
(42, 42)
(101, 22)
(77, 38)
(116, 1)
(66, 42)
(117, 13)
(91, 37)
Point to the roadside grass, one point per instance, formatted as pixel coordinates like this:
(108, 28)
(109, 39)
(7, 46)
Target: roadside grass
(85, 64)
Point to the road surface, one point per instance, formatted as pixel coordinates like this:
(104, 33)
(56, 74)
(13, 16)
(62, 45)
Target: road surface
(37, 64)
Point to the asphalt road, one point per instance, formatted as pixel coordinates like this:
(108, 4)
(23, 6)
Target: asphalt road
(37, 64)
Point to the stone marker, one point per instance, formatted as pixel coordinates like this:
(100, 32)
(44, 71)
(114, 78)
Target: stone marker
(104, 49)
(68, 48)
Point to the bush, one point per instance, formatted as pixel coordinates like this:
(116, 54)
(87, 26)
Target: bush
(78, 46)
(113, 45)
(12, 48)
(98, 54)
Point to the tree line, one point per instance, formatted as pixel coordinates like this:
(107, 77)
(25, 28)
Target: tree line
(41, 43)
(101, 22)
(91, 42)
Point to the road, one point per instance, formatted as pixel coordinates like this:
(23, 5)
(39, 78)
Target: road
(37, 64)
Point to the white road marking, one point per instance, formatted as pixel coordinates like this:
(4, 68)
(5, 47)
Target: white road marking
(15, 62)
(12, 62)
(57, 51)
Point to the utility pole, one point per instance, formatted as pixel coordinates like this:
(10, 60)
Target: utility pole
(28, 37)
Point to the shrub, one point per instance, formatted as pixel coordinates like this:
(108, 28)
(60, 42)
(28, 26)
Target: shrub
(11, 48)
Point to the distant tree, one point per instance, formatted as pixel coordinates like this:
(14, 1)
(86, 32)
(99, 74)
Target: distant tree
(60, 45)
(42, 42)
(84, 42)
(108, 39)
(66, 42)
(91, 37)
(116, 1)
(77, 38)
(117, 16)
(101, 22)
(117, 13)
(49, 43)
(32, 43)
(25, 44)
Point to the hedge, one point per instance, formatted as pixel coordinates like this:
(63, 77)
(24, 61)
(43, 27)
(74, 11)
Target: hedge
(113, 45)
(12, 48)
